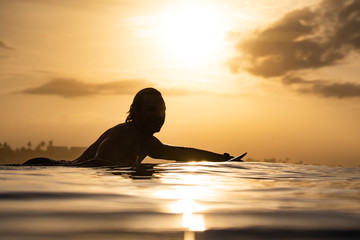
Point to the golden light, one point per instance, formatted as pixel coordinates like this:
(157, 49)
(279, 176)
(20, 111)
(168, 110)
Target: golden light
(186, 195)
(186, 206)
(193, 33)
(193, 222)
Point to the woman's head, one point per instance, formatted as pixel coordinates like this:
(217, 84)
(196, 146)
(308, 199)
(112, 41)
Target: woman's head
(147, 110)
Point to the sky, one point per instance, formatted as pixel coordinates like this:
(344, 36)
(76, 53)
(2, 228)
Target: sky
(277, 79)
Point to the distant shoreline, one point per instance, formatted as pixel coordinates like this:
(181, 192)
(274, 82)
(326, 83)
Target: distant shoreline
(9, 155)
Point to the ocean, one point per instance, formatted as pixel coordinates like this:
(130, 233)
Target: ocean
(187, 201)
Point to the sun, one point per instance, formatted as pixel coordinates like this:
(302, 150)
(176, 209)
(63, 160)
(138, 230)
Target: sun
(192, 33)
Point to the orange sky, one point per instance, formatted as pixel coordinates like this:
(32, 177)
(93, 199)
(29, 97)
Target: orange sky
(273, 78)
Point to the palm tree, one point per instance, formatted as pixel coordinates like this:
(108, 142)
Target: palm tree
(42, 145)
(6, 145)
(29, 145)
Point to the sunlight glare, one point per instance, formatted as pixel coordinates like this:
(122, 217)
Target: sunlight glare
(193, 222)
(186, 206)
(193, 33)
(190, 220)
(184, 192)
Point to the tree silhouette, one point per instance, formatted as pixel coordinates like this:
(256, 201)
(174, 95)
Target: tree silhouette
(29, 145)
(5, 145)
(41, 146)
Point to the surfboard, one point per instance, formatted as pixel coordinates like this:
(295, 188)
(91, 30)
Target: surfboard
(237, 159)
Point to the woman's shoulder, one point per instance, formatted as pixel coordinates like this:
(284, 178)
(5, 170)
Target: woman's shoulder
(123, 128)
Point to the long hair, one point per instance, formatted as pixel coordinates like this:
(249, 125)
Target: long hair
(137, 102)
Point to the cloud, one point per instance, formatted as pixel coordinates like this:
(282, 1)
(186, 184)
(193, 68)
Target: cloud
(70, 88)
(307, 38)
(4, 46)
(323, 88)
(4, 51)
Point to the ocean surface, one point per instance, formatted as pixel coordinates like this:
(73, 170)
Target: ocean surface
(187, 201)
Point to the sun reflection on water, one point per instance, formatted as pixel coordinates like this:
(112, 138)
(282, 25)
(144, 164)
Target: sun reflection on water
(187, 192)
(190, 219)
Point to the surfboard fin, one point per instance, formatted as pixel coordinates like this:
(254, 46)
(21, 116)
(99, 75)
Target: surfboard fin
(238, 158)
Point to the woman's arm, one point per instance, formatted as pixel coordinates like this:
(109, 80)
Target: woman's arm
(90, 152)
(185, 154)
